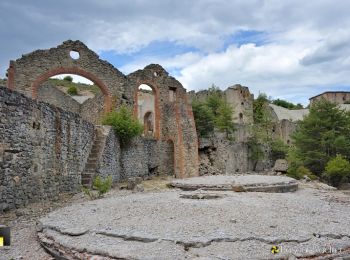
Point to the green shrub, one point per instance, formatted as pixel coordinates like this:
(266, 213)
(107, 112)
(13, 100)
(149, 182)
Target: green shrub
(336, 169)
(68, 78)
(124, 124)
(101, 186)
(299, 172)
(72, 90)
(279, 149)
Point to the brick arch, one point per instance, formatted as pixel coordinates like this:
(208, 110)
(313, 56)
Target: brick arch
(157, 113)
(35, 85)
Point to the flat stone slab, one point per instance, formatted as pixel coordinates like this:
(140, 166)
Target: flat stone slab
(169, 225)
(239, 183)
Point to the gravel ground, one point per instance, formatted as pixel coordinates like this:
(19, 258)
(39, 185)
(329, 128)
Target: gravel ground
(236, 225)
(23, 221)
(155, 214)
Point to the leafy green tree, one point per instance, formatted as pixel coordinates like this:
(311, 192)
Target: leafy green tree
(68, 78)
(223, 120)
(256, 152)
(214, 100)
(204, 118)
(213, 113)
(336, 169)
(124, 124)
(323, 134)
(279, 149)
(286, 104)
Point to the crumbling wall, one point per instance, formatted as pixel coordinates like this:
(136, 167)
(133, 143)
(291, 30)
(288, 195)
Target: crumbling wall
(173, 115)
(147, 157)
(110, 162)
(221, 156)
(92, 109)
(50, 94)
(241, 100)
(31, 70)
(43, 150)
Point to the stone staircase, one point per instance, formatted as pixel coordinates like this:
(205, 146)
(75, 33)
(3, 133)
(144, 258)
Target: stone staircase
(92, 163)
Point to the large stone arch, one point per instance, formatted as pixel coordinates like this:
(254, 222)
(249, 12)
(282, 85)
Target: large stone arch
(174, 116)
(77, 71)
(27, 73)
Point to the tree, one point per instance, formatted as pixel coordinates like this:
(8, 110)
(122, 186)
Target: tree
(213, 113)
(261, 130)
(336, 169)
(203, 117)
(286, 104)
(323, 134)
(124, 124)
(223, 120)
(68, 78)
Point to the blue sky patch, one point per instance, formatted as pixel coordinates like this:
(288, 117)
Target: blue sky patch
(242, 37)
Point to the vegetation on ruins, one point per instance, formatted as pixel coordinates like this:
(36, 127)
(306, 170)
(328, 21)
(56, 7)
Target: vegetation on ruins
(68, 78)
(124, 124)
(261, 135)
(213, 113)
(100, 185)
(323, 136)
(286, 104)
(72, 90)
(94, 89)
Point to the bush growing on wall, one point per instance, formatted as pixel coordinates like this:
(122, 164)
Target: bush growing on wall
(124, 124)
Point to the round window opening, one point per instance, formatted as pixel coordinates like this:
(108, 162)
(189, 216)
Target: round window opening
(74, 55)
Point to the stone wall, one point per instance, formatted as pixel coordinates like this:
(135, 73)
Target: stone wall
(173, 117)
(92, 109)
(43, 150)
(50, 94)
(340, 97)
(221, 156)
(147, 157)
(109, 164)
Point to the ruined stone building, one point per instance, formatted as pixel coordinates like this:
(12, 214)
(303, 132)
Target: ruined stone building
(51, 143)
(338, 97)
(285, 121)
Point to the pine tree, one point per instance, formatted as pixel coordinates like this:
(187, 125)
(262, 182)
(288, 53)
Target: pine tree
(323, 134)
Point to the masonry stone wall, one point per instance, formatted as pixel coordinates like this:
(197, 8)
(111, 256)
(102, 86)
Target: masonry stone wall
(110, 162)
(173, 113)
(50, 94)
(43, 150)
(340, 97)
(92, 109)
(29, 72)
(147, 157)
(221, 156)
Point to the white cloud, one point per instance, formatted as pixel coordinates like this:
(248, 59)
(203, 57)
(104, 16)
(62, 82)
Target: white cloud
(306, 47)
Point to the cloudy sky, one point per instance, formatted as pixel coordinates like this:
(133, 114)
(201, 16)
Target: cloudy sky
(287, 49)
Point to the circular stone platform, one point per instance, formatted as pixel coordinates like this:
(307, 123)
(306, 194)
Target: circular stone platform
(165, 225)
(239, 183)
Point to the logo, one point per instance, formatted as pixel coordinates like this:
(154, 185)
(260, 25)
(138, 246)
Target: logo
(5, 236)
(275, 250)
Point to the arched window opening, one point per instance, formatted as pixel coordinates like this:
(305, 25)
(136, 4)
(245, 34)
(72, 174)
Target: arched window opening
(148, 124)
(241, 117)
(73, 93)
(146, 109)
